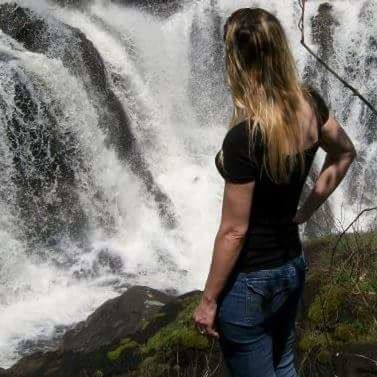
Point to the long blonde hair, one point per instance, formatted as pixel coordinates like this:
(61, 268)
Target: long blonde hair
(263, 80)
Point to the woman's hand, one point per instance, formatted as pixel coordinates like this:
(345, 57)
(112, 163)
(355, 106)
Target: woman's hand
(204, 317)
(300, 217)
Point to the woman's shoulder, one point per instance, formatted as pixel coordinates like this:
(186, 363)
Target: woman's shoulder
(241, 137)
(235, 160)
(320, 105)
(237, 132)
(240, 131)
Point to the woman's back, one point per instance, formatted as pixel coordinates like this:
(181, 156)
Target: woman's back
(272, 237)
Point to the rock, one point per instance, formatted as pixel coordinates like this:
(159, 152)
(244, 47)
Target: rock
(357, 360)
(132, 335)
(115, 319)
(323, 25)
(30, 365)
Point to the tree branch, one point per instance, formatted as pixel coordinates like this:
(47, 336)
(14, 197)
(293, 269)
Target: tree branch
(333, 251)
(301, 26)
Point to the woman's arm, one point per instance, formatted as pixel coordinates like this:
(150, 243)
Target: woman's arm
(230, 236)
(227, 246)
(340, 154)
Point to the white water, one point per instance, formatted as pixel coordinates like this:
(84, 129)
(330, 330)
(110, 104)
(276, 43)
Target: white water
(156, 60)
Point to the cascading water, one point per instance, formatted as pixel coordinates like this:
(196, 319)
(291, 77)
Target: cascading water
(110, 121)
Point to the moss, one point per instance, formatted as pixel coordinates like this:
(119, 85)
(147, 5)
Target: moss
(327, 304)
(175, 335)
(343, 310)
(367, 286)
(312, 340)
(143, 323)
(158, 315)
(152, 366)
(179, 333)
(344, 332)
(98, 373)
(324, 357)
(125, 344)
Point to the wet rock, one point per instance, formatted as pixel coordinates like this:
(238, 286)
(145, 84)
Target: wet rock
(132, 335)
(116, 318)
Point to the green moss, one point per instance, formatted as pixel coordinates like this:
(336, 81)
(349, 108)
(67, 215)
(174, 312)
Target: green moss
(344, 332)
(158, 315)
(143, 323)
(176, 335)
(327, 304)
(324, 357)
(125, 344)
(179, 333)
(312, 340)
(368, 286)
(152, 366)
(344, 308)
(98, 373)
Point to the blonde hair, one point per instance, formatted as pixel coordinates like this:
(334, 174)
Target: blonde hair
(263, 80)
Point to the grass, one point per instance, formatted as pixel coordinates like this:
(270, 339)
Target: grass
(344, 309)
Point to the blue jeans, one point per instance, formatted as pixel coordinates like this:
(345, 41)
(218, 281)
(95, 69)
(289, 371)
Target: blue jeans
(256, 320)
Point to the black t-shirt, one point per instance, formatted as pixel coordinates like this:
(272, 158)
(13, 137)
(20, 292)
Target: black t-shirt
(272, 237)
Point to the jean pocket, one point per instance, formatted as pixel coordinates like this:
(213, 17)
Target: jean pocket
(301, 264)
(265, 297)
(258, 294)
(286, 291)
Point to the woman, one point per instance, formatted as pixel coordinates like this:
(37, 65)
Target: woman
(251, 296)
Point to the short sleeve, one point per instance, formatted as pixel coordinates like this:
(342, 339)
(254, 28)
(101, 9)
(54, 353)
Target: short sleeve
(322, 110)
(233, 160)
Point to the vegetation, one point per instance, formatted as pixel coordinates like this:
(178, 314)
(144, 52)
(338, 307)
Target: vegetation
(125, 344)
(177, 349)
(344, 309)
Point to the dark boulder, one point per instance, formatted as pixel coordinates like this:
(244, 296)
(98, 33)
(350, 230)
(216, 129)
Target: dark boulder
(356, 360)
(115, 319)
(132, 335)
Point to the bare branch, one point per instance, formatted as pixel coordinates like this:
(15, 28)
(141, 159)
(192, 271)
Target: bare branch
(301, 26)
(344, 232)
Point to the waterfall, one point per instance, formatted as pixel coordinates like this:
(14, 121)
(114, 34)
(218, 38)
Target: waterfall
(110, 120)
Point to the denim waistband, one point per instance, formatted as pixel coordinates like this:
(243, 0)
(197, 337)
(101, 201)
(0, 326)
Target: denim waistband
(291, 265)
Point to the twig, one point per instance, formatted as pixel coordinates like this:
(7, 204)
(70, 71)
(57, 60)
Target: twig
(344, 232)
(301, 26)
(366, 303)
(366, 358)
